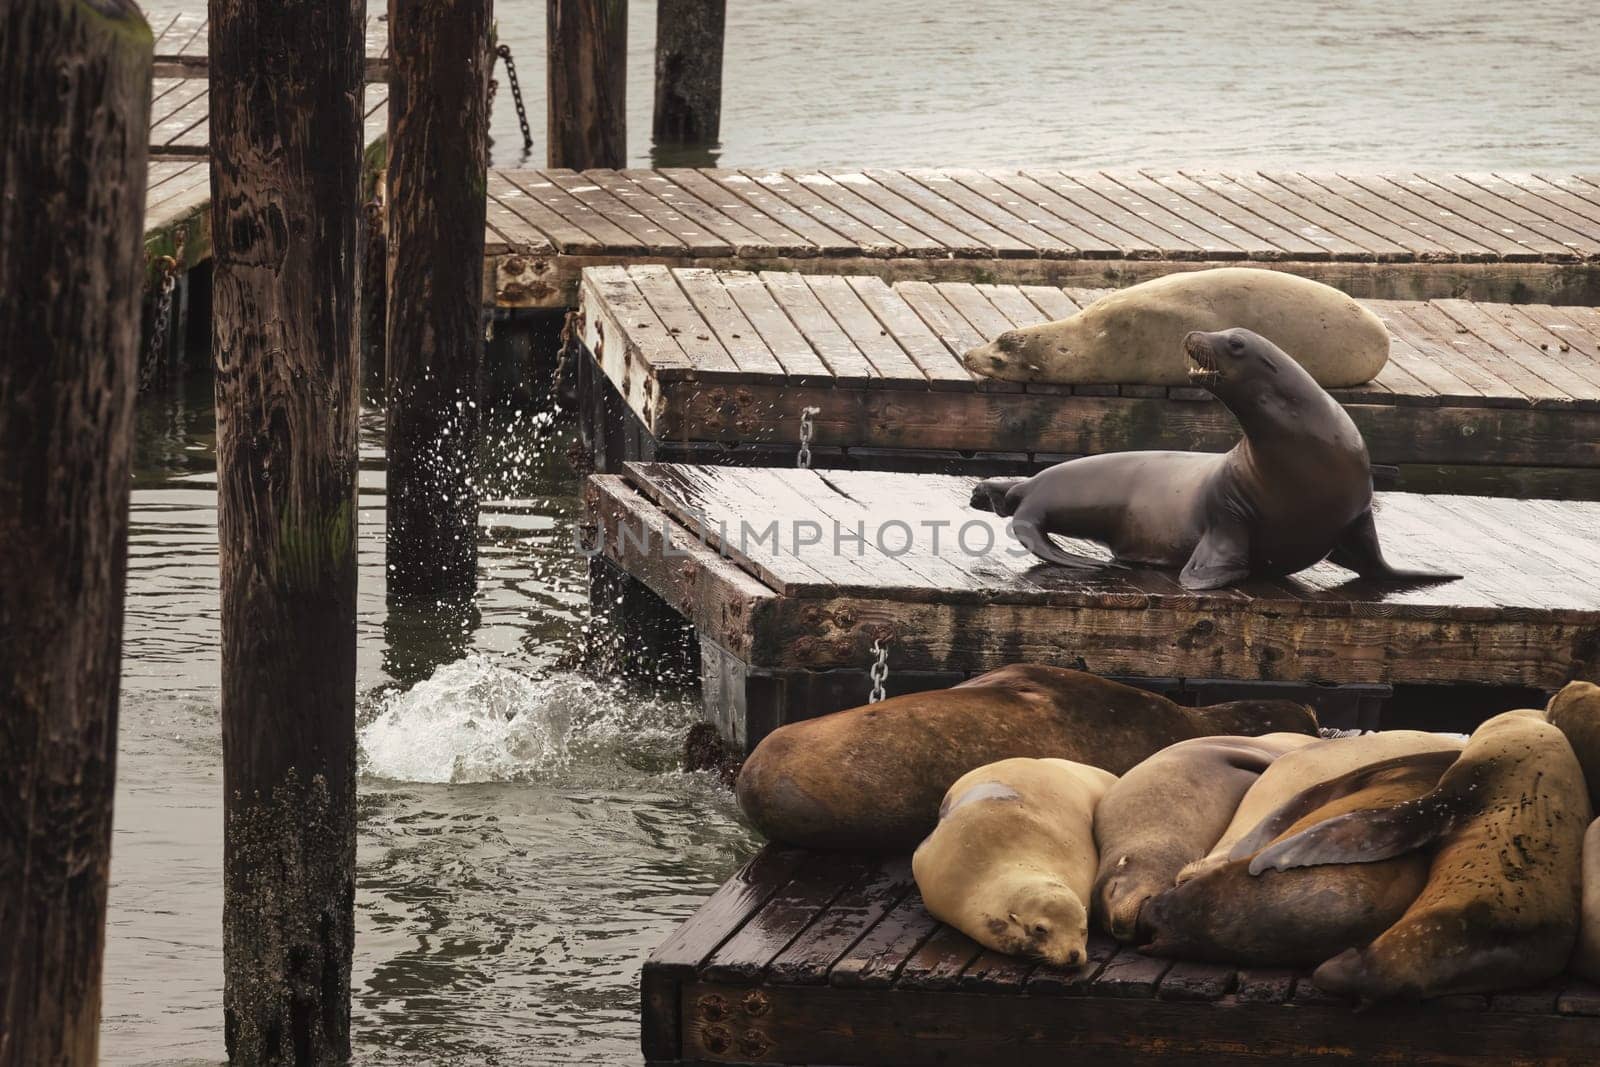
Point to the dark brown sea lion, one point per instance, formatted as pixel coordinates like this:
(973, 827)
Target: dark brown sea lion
(1167, 812)
(1501, 906)
(872, 777)
(1296, 489)
(1300, 917)
(1575, 711)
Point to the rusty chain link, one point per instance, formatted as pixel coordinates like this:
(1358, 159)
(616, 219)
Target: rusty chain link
(807, 430)
(167, 266)
(879, 671)
(504, 52)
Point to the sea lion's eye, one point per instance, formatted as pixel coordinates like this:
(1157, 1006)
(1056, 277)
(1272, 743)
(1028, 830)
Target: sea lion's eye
(1236, 344)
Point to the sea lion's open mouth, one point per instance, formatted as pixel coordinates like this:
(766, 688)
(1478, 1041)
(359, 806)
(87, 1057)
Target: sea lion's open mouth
(1204, 373)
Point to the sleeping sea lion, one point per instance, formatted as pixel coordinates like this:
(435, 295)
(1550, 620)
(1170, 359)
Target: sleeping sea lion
(1131, 336)
(1575, 711)
(1011, 860)
(872, 777)
(1501, 906)
(1311, 765)
(1295, 490)
(1299, 918)
(1167, 812)
(1586, 958)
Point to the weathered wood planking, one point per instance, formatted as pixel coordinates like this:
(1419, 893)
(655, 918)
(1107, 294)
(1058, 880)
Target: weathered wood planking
(811, 597)
(1508, 237)
(180, 116)
(178, 195)
(182, 45)
(826, 958)
(706, 358)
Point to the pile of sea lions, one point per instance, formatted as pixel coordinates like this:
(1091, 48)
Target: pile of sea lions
(1042, 802)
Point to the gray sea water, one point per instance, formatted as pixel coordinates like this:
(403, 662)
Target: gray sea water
(525, 834)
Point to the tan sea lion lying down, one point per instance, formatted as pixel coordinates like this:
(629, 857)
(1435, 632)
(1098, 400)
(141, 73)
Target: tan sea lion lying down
(873, 777)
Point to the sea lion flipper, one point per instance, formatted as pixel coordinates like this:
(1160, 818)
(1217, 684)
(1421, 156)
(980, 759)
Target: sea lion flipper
(1362, 836)
(1035, 540)
(1221, 558)
(1358, 550)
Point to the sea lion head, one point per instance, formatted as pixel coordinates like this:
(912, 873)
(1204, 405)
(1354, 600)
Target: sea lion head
(1042, 919)
(1015, 356)
(1246, 371)
(1120, 895)
(1252, 718)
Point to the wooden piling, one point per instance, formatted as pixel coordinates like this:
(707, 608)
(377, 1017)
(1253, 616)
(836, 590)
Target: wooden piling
(688, 107)
(286, 143)
(587, 69)
(438, 163)
(74, 85)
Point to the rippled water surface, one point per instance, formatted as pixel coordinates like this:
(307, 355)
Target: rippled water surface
(525, 835)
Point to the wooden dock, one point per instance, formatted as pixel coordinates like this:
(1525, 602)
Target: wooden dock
(789, 577)
(181, 46)
(1505, 237)
(821, 958)
(689, 364)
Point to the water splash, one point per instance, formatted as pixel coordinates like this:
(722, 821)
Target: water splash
(475, 720)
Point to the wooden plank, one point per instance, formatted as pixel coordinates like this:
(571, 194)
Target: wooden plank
(1187, 980)
(1090, 233)
(518, 233)
(1063, 234)
(794, 353)
(939, 961)
(726, 911)
(995, 972)
(1515, 338)
(811, 958)
(652, 237)
(1157, 241)
(1220, 238)
(918, 209)
(1338, 238)
(743, 957)
(947, 187)
(1369, 213)
(1465, 216)
(697, 239)
(885, 233)
(607, 235)
(1263, 986)
(683, 320)
(1560, 192)
(1427, 335)
(781, 211)
(1571, 236)
(1130, 975)
(693, 183)
(743, 241)
(1406, 211)
(1268, 240)
(743, 342)
(1520, 379)
(845, 360)
(875, 960)
(891, 365)
(544, 223)
(933, 358)
(1047, 980)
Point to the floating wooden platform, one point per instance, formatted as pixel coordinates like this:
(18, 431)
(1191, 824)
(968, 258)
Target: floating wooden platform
(696, 365)
(763, 563)
(818, 958)
(178, 188)
(182, 46)
(1511, 237)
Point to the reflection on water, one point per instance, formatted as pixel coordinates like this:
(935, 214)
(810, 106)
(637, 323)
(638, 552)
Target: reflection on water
(525, 836)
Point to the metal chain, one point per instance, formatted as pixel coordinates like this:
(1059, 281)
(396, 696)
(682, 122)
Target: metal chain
(879, 671)
(168, 267)
(504, 52)
(807, 431)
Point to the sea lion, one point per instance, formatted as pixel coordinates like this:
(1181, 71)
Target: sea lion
(872, 777)
(1296, 489)
(1299, 918)
(1012, 857)
(1575, 711)
(1167, 812)
(1307, 767)
(1501, 906)
(1586, 958)
(1131, 336)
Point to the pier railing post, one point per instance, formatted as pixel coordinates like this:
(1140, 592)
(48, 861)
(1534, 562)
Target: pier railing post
(75, 93)
(587, 72)
(688, 105)
(438, 158)
(286, 146)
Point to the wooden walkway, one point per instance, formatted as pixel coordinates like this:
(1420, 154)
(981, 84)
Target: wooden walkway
(696, 365)
(178, 189)
(813, 958)
(789, 573)
(181, 46)
(1515, 237)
